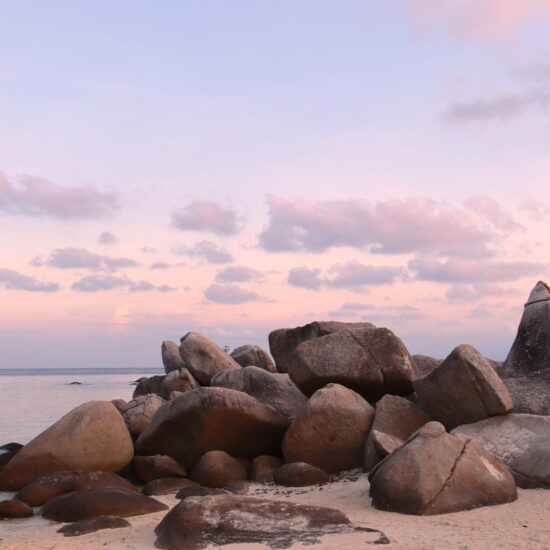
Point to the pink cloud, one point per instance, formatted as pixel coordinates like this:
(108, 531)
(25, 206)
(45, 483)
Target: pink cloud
(12, 280)
(205, 216)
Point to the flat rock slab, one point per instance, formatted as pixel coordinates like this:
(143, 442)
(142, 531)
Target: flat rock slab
(522, 441)
(91, 503)
(92, 525)
(236, 519)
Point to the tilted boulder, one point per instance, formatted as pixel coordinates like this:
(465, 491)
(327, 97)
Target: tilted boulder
(395, 421)
(93, 437)
(209, 419)
(437, 473)
(370, 361)
(148, 468)
(526, 371)
(179, 381)
(90, 503)
(255, 356)
(299, 474)
(464, 388)
(217, 468)
(235, 519)
(204, 358)
(171, 358)
(283, 341)
(522, 441)
(331, 431)
(276, 390)
(138, 413)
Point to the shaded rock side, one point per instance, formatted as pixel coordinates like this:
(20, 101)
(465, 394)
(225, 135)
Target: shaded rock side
(217, 468)
(249, 355)
(138, 413)
(299, 474)
(148, 468)
(171, 358)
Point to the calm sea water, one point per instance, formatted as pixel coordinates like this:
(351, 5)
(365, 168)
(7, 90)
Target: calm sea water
(33, 399)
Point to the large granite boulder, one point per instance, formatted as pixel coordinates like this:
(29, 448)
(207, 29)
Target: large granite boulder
(522, 441)
(255, 356)
(299, 474)
(331, 431)
(40, 491)
(464, 388)
(148, 468)
(180, 380)
(93, 437)
(395, 421)
(171, 358)
(437, 473)
(138, 413)
(90, 503)
(235, 519)
(210, 419)
(370, 361)
(283, 341)
(217, 468)
(203, 357)
(526, 371)
(275, 390)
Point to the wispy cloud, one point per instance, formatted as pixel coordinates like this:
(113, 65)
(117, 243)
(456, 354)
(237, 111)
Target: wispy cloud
(473, 292)
(230, 294)
(34, 196)
(160, 265)
(79, 258)
(12, 280)
(107, 238)
(97, 283)
(208, 251)
(238, 274)
(205, 216)
(374, 313)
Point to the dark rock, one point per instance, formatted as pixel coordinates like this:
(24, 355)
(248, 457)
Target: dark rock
(437, 473)
(179, 381)
(203, 357)
(235, 519)
(171, 358)
(12, 509)
(395, 421)
(526, 371)
(299, 474)
(199, 491)
(370, 361)
(522, 441)
(90, 503)
(91, 437)
(240, 487)
(167, 486)
(8, 451)
(92, 525)
(210, 419)
(148, 468)
(138, 413)
(462, 389)
(263, 468)
(255, 356)
(48, 487)
(275, 390)
(217, 468)
(152, 384)
(331, 431)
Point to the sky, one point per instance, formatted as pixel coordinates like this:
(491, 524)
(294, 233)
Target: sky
(236, 167)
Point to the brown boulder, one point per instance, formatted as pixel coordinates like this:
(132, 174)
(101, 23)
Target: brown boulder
(14, 508)
(151, 384)
(92, 525)
(179, 381)
(331, 431)
(255, 356)
(395, 421)
(299, 474)
(217, 468)
(209, 419)
(275, 390)
(8, 451)
(263, 468)
(91, 437)
(148, 468)
(47, 487)
(424, 364)
(437, 473)
(203, 357)
(171, 358)
(167, 486)
(138, 413)
(464, 388)
(199, 491)
(90, 503)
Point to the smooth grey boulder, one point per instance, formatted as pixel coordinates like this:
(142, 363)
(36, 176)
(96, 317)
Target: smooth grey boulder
(526, 371)
(275, 390)
(209, 419)
(283, 341)
(522, 441)
(331, 431)
(370, 361)
(249, 355)
(203, 357)
(171, 358)
(437, 473)
(464, 388)
(138, 413)
(396, 419)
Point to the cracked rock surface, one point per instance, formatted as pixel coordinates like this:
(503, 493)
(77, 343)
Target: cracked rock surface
(437, 473)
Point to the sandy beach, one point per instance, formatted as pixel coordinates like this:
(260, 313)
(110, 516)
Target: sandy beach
(521, 524)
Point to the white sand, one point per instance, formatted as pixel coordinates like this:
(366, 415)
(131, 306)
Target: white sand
(521, 524)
